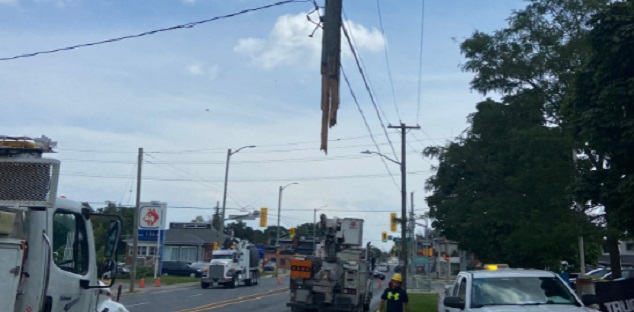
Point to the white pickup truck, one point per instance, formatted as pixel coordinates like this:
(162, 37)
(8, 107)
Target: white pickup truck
(512, 290)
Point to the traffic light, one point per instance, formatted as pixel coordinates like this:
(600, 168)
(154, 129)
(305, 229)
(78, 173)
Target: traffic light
(393, 222)
(384, 237)
(215, 245)
(292, 232)
(263, 215)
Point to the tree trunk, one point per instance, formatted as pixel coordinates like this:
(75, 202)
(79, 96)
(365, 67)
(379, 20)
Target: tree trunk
(615, 256)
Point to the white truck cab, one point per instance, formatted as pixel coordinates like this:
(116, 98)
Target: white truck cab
(511, 290)
(233, 266)
(47, 248)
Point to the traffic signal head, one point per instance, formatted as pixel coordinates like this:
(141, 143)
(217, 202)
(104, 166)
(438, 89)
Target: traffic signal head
(263, 216)
(393, 226)
(292, 232)
(215, 245)
(384, 237)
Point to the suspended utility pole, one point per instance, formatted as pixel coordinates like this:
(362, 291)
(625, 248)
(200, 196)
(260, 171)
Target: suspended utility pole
(404, 254)
(135, 226)
(330, 67)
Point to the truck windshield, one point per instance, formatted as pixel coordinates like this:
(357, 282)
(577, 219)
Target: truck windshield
(520, 291)
(223, 256)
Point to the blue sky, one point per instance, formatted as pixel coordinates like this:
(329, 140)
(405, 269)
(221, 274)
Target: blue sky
(187, 95)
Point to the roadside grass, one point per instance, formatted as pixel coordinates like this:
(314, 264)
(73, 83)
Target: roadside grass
(421, 302)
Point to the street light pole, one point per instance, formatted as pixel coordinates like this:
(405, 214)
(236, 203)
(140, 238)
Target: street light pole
(224, 195)
(277, 231)
(315, 227)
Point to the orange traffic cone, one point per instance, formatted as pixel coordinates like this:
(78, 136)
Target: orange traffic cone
(157, 282)
(142, 283)
(279, 281)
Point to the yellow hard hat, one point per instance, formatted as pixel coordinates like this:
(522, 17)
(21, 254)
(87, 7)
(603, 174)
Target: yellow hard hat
(397, 277)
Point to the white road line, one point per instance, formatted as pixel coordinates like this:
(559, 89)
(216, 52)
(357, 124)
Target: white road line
(136, 304)
(195, 295)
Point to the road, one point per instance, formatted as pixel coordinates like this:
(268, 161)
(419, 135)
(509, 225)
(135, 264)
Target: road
(268, 296)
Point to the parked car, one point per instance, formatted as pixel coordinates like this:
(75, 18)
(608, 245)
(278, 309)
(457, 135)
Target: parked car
(270, 266)
(598, 273)
(123, 271)
(383, 268)
(625, 274)
(397, 269)
(180, 269)
(379, 275)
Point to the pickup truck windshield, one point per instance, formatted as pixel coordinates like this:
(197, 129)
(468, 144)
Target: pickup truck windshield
(520, 291)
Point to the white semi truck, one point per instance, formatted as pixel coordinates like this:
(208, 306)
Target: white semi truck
(238, 262)
(47, 248)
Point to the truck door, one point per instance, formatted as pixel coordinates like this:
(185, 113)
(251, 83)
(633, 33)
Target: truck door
(71, 264)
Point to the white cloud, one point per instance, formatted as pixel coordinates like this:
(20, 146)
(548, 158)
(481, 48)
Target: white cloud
(188, 1)
(197, 69)
(289, 42)
(8, 2)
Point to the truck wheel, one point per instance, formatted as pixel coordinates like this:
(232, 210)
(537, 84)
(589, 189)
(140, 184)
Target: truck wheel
(257, 277)
(204, 285)
(249, 281)
(234, 282)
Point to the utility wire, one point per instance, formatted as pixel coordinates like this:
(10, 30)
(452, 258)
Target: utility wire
(367, 87)
(365, 69)
(243, 179)
(367, 126)
(125, 189)
(230, 194)
(420, 66)
(387, 60)
(152, 32)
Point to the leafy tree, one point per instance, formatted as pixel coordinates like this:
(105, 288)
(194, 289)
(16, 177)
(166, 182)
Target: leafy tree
(500, 190)
(600, 116)
(540, 50)
(198, 219)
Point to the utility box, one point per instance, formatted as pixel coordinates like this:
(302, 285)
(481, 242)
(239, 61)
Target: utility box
(352, 231)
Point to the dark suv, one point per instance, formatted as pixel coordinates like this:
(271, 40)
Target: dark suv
(180, 269)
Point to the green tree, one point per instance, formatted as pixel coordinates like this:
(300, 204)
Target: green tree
(540, 50)
(500, 191)
(600, 116)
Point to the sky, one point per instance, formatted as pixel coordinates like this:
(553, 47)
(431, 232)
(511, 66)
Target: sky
(187, 95)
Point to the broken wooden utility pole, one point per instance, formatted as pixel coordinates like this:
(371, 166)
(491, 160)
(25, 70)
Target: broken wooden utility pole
(330, 68)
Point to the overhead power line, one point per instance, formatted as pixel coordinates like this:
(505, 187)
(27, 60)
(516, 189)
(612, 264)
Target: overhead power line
(367, 126)
(420, 64)
(387, 60)
(153, 32)
(242, 179)
(367, 87)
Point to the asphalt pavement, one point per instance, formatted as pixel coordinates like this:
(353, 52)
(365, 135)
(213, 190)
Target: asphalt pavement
(268, 296)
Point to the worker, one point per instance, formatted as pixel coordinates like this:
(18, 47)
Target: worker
(396, 297)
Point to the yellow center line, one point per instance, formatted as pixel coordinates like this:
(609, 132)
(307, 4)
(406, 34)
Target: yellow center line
(252, 297)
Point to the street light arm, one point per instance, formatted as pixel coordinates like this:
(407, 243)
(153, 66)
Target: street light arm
(283, 187)
(388, 158)
(248, 146)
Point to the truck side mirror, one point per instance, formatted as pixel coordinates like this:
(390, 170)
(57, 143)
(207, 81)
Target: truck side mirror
(454, 302)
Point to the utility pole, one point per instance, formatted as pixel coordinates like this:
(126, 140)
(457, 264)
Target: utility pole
(135, 226)
(412, 228)
(330, 67)
(277, 234)
(224, 195)
(404, 129)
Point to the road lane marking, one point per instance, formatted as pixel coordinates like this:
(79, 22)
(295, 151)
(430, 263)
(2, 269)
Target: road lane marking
(136, 304)
(258, 296)
(195, 295)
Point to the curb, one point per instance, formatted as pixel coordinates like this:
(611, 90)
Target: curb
(139, 291)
